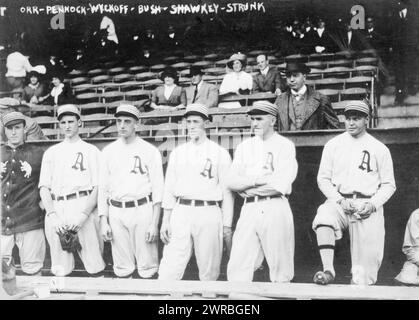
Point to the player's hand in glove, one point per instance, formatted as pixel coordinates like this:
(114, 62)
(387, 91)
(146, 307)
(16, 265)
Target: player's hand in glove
(228, 238)
(165, 232)
(152, 233)
(347, 206)
(77, 222)
(365, 210)
(105, 230)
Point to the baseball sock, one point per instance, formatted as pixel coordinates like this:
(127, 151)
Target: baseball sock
(326, 245)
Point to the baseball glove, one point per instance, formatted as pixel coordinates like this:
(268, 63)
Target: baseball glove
(69, 241)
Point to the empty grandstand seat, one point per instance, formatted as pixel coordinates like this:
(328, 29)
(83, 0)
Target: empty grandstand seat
(329, 83)
(333, 95)
(116, 70)
(138, 69)
(130, 85)
(79, 80)
(84, 88)
(110, 64)
(203, 64)
(192, 58)
(101, 79)
(340, 63)
(184, 81)
(211, 57)
(344, 55)
(181, 65)
(152, 84)
(93, 107)
(365, 70)
(75, 73)
(315, 74)
(171, 59)
(354, 94)
(88, 97)
(337, 72)
(366, 62)
(97, 119)
(368, 53)
(111, 106)
(112, 96)
(296, 58)
(321, 57)
(40, 110)
(214, 71)
(221, 63)
(359, 82)
(137, 95)
(158, 67)
(123, 77)
(143, 76)
(316, 64)
(255, 53)
(46, 122)
(96, 72)
(106, 87)
(52, 134)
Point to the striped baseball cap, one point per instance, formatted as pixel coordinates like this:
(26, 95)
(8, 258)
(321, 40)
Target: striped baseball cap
(197, 109)
(12, 118)
(263, 107)
(127, 110)
(358, 105)
(68, 110)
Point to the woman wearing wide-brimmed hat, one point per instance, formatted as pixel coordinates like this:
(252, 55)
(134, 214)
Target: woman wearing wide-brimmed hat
(237, 81)
(169, 96)
(34, 89)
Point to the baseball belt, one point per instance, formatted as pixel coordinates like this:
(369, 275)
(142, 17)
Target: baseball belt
(355, 195)
(262, 198)
(198, 203)
(130, 204)
(70, 196)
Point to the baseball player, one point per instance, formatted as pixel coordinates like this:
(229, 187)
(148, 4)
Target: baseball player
(356, 176)
(22, 219)
(198, 207)
(68, 187)
(410, 273)
(263, 170)
(130, 195)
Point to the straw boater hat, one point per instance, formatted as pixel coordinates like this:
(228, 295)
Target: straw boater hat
(237, 56)
(127, 110)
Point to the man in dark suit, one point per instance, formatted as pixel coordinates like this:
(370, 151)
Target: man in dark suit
(268, 79)
(302, 108)
(321, 39)
(404, 48)
(201, 91)
(370, 37)
(348, 39)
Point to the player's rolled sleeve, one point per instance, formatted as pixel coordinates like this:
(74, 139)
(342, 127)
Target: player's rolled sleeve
(45, 176)
(157, 179)
(103, 190)
(285, 171)
(388, 184)
(228, 198)
(324, 176)
(169, 199)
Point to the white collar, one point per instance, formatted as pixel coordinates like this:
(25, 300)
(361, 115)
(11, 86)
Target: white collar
(300, 92)
(265, 71)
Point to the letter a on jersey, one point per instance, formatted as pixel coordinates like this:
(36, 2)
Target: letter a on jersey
(137, 166)
(207, 172)
(269, 162)
(365, 164)
(78, 164)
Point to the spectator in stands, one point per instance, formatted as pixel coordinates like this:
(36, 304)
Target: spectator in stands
(348, 39)
(405, 48)
(301, 107)
(169, 96)
(60, 93)
(34, 89)
(201, 91)
(236, 81)
(321, 40)
(17, 66)
(370, 37)
(268, 79)
(33, 131)
(108, 25)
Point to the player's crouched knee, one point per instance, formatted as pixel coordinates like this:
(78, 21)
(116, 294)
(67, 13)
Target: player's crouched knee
(325, 215)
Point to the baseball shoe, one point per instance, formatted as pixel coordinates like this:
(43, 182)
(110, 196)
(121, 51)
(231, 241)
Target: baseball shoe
(323, 277)
(409, 275)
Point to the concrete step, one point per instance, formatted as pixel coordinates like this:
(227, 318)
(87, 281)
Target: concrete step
(398, 122)
(398, 111)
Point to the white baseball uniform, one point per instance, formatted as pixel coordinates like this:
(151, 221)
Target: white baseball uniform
(70, 168)
(265, 227)
(196, 172)
(130, 172)
(361, 166)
